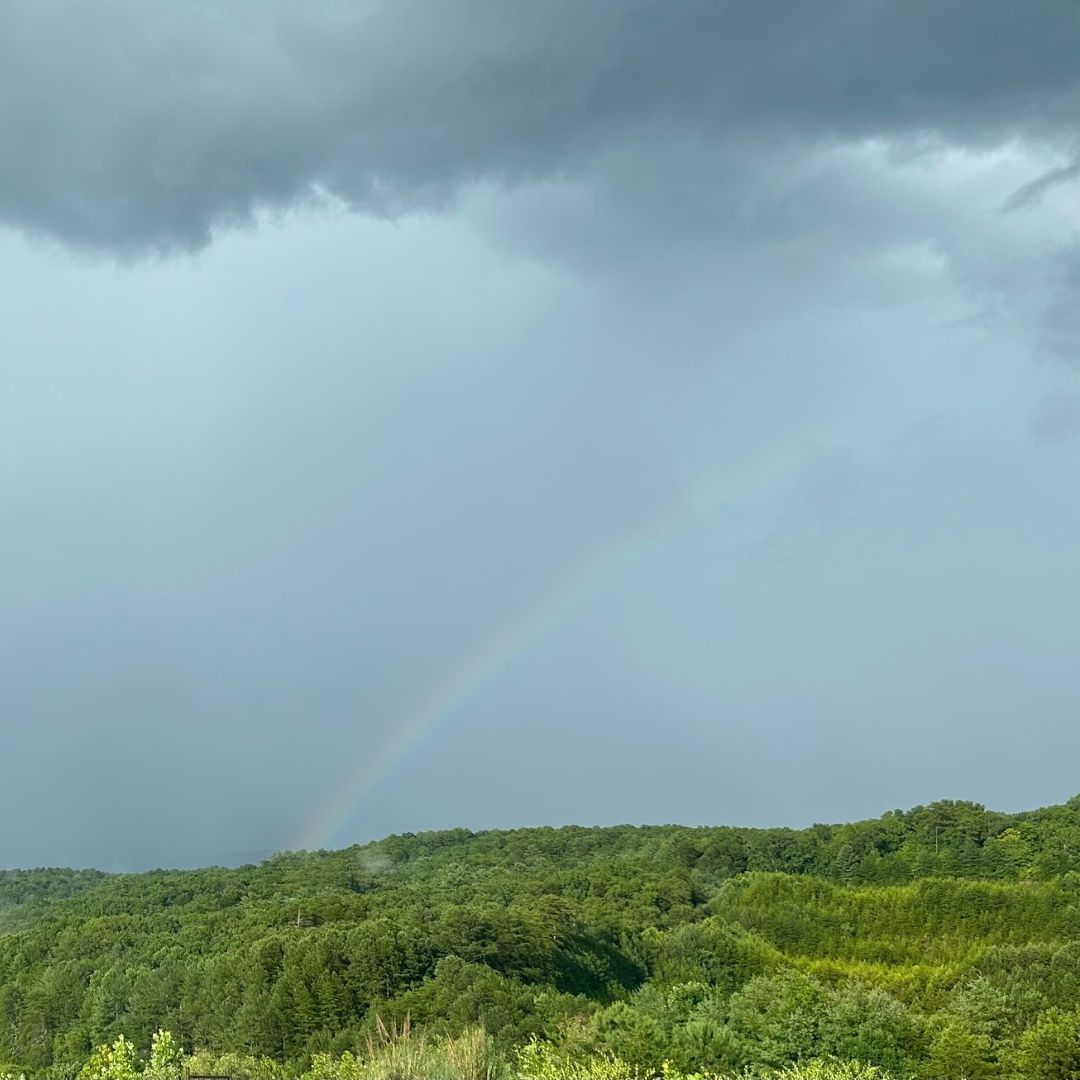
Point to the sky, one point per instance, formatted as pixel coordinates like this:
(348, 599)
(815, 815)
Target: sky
(417, 415)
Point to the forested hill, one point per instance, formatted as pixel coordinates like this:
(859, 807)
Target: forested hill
(919, 939)
(24, 886)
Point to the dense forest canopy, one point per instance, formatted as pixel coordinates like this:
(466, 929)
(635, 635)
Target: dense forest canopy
(940, 942)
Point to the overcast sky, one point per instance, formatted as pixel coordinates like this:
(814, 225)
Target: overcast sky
(417, 414)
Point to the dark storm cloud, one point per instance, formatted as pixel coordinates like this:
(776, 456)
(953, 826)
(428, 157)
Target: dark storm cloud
(130, 126)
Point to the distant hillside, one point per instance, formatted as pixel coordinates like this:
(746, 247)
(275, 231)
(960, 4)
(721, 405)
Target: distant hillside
(941, 927)
(27, 886)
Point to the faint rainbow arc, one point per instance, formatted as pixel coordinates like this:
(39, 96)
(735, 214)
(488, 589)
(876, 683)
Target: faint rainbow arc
(452, 693)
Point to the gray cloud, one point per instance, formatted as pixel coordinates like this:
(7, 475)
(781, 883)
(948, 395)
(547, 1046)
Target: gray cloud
(1030, 193)
(677, 356)
(1056, 418)
(140, 127)
(831, 489)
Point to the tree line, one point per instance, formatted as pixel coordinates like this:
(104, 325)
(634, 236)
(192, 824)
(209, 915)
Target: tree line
(938, 943)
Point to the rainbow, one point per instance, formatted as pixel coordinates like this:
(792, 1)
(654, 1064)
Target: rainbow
(451, 695)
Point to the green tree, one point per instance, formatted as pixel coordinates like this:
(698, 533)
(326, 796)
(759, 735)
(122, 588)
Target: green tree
(777, 1018)
(166, 1060)
(1050, 1050)
(117, 1061)
(957, 1053)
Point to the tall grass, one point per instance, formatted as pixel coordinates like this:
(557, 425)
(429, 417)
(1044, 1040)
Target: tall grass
(407, 1054)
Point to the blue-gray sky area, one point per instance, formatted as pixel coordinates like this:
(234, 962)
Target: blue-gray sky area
(419, 414)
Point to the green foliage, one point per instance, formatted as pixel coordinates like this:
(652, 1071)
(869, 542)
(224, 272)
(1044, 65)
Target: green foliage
(938, 943)
(540, 1061)
(166, 1058)
(237, 1066)
(325, 1066)
(864, 1023)
(1050, 1050)
(958, 1051)
(115, 1062)
(833, 1070)
(778, 1017)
